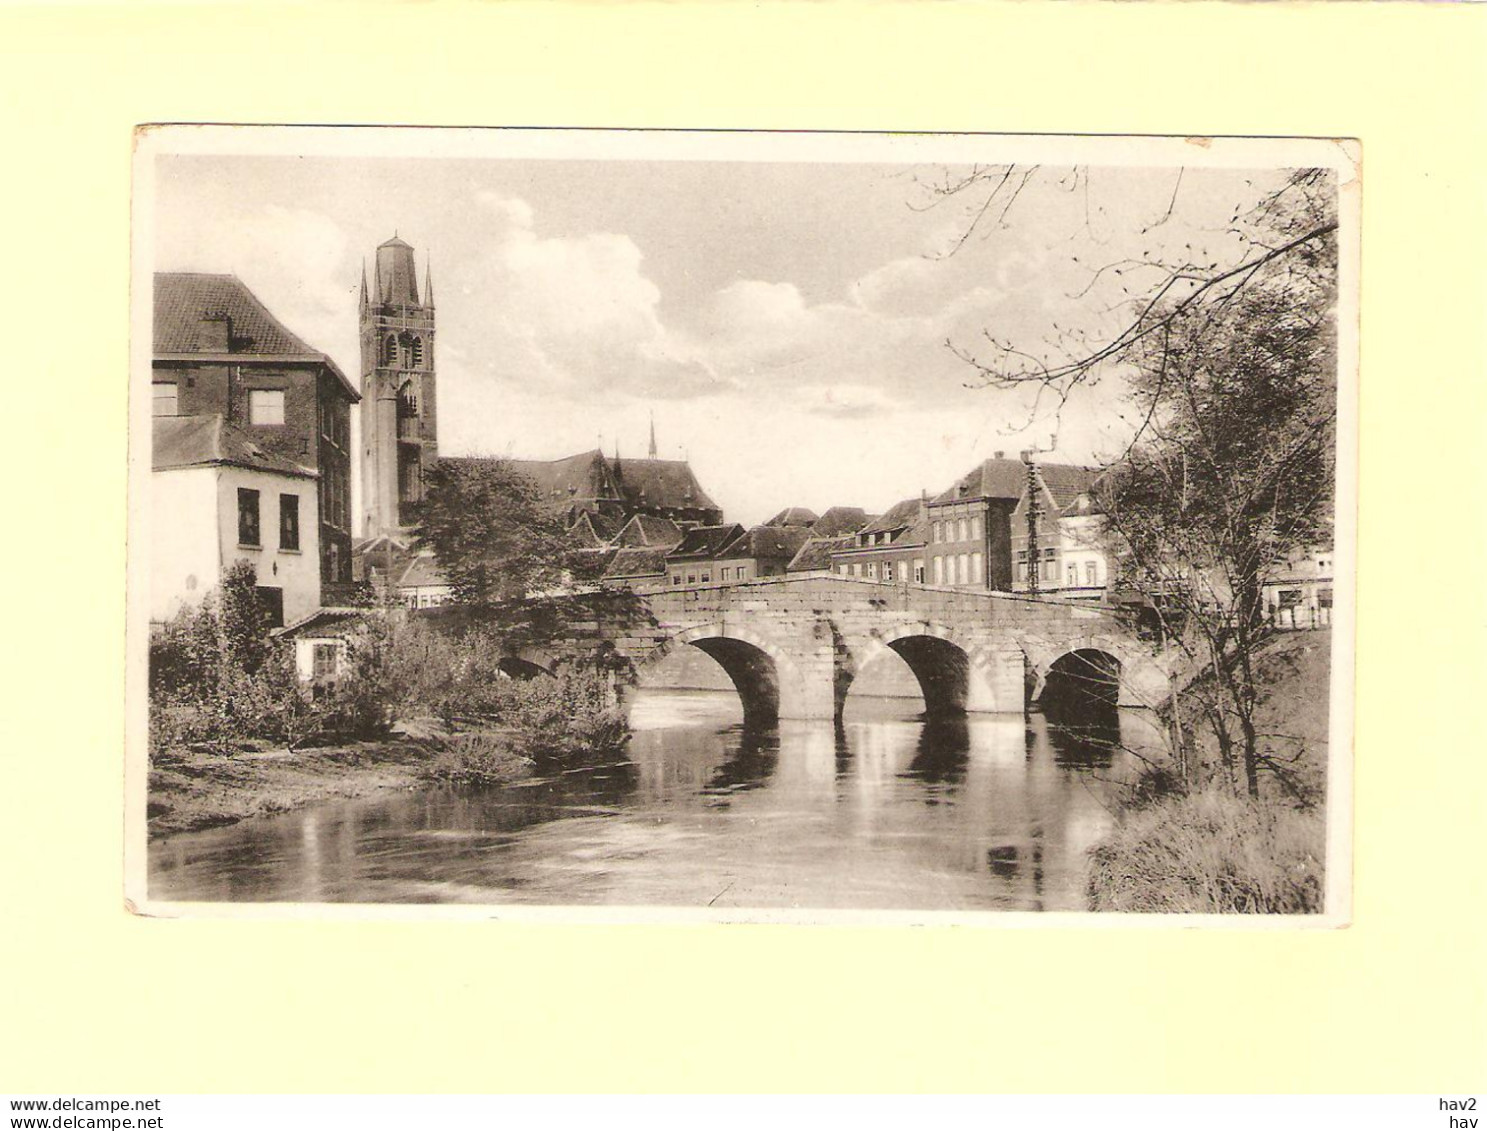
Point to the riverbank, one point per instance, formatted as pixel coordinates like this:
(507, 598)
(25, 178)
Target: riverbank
(190, 790)
(1210, 851)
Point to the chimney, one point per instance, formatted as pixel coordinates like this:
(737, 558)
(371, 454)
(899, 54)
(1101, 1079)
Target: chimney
(214, 332)
(1026, 455)
(998, 455)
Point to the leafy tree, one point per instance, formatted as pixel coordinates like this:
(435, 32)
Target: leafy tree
(495, 540)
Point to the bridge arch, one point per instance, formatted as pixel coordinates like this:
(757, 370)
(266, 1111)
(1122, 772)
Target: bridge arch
(951, 674)
(529, 663)
(767, 680)
(1113, 669)
(1082, 680)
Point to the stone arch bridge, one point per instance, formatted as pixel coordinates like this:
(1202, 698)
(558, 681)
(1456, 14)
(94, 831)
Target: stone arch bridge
(793, 646)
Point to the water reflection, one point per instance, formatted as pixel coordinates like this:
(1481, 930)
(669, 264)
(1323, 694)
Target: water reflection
(884, 810)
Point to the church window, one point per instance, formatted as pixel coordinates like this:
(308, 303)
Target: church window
(166, 402)
(266, 406)
(416, 353)
(408, 400)
(247, 517)
(333, 562)
(389, 349)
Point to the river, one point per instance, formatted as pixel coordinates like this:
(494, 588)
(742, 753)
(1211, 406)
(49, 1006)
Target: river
(885, 811)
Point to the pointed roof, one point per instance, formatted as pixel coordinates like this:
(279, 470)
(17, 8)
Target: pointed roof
(397, 281)
(990, 479)
(815, 553)
(582, 480)
(900, 516)
(794, 516)
(428, 283)
(666, 483)
(184, 300)
(636, 561)
(649, 530)
(705, 542)
(1066, 482)
(782, 542)
(840, 520)
(209, 441)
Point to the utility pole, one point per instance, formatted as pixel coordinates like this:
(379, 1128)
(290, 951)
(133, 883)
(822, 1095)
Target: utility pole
(1034, 512)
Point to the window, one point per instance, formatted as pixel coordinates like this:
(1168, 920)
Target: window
(976, 527)
(726, 574)
(964, 530)
(271, 600)
(333, 562)
(167, 401)
(247, 517)
(1071, 574)
(887, 571)
(415, 353)
(937, 532)
(325, 661)
(743, 573)
(856, 569)
(266, 406)
(872, 570)
(389, 349)
(939, 570)
(842, 569)
(977, 577)
(289, 522)
(706, 578)
(1091, 573)
(691, 579)
(676, 579)
(918, 571)
(963, 568)
(1022, 571)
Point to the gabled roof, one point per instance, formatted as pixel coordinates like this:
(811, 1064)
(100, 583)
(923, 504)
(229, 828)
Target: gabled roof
(840, 520)
(637, 561)
(650, 531)
(207, 441)
(583, 480)
(1066, 482)
(184, 300)
(583, 534)
(328, 621)
(794, 516)
(815, 553)
(666, 483)
(991, 479)
(769, 542)
(422, 570)
(900, 516)
(702, 543)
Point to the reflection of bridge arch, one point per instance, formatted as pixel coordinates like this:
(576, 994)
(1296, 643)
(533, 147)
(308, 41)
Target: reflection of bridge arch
(952, 676)
(767, 680)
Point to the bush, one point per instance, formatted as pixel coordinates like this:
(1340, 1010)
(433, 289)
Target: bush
(478, 758)
(1211, 852)
(565, 718)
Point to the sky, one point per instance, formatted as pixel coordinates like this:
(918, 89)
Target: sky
(785, 324)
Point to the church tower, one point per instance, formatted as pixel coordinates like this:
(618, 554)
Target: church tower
(399, 407)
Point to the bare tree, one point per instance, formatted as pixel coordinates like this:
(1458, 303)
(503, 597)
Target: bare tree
(1231, 368)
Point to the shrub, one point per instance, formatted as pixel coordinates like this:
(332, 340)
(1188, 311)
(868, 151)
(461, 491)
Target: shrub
(1211, 851)
(478, 758)
(565, 718)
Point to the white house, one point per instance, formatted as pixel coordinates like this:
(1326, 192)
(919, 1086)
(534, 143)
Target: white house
(217, 497)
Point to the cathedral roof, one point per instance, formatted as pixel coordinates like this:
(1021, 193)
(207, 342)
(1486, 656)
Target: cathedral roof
(207, 441)
(186, 305)
(667, 483)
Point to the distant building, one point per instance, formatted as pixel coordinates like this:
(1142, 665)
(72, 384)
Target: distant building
(969, 541)
(815, 554)
(218, 497)
(635, 565)
(888, 548)
(840, 520)
(695, 559)
(1069, 531)
(218, 350)
(1297, 590)
(596, 496)
(794, 516)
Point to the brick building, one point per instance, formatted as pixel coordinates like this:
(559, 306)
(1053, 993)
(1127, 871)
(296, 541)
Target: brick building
(218, 351)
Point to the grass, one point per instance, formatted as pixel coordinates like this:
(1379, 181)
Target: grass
(1210, 851)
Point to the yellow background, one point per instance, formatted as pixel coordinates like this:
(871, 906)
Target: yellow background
(93, 999)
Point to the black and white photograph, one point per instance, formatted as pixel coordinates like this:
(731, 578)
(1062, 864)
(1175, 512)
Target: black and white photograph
(714, 526)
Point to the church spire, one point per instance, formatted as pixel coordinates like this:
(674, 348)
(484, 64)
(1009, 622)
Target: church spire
(653, 434)
(363, 282)
(428, 283)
